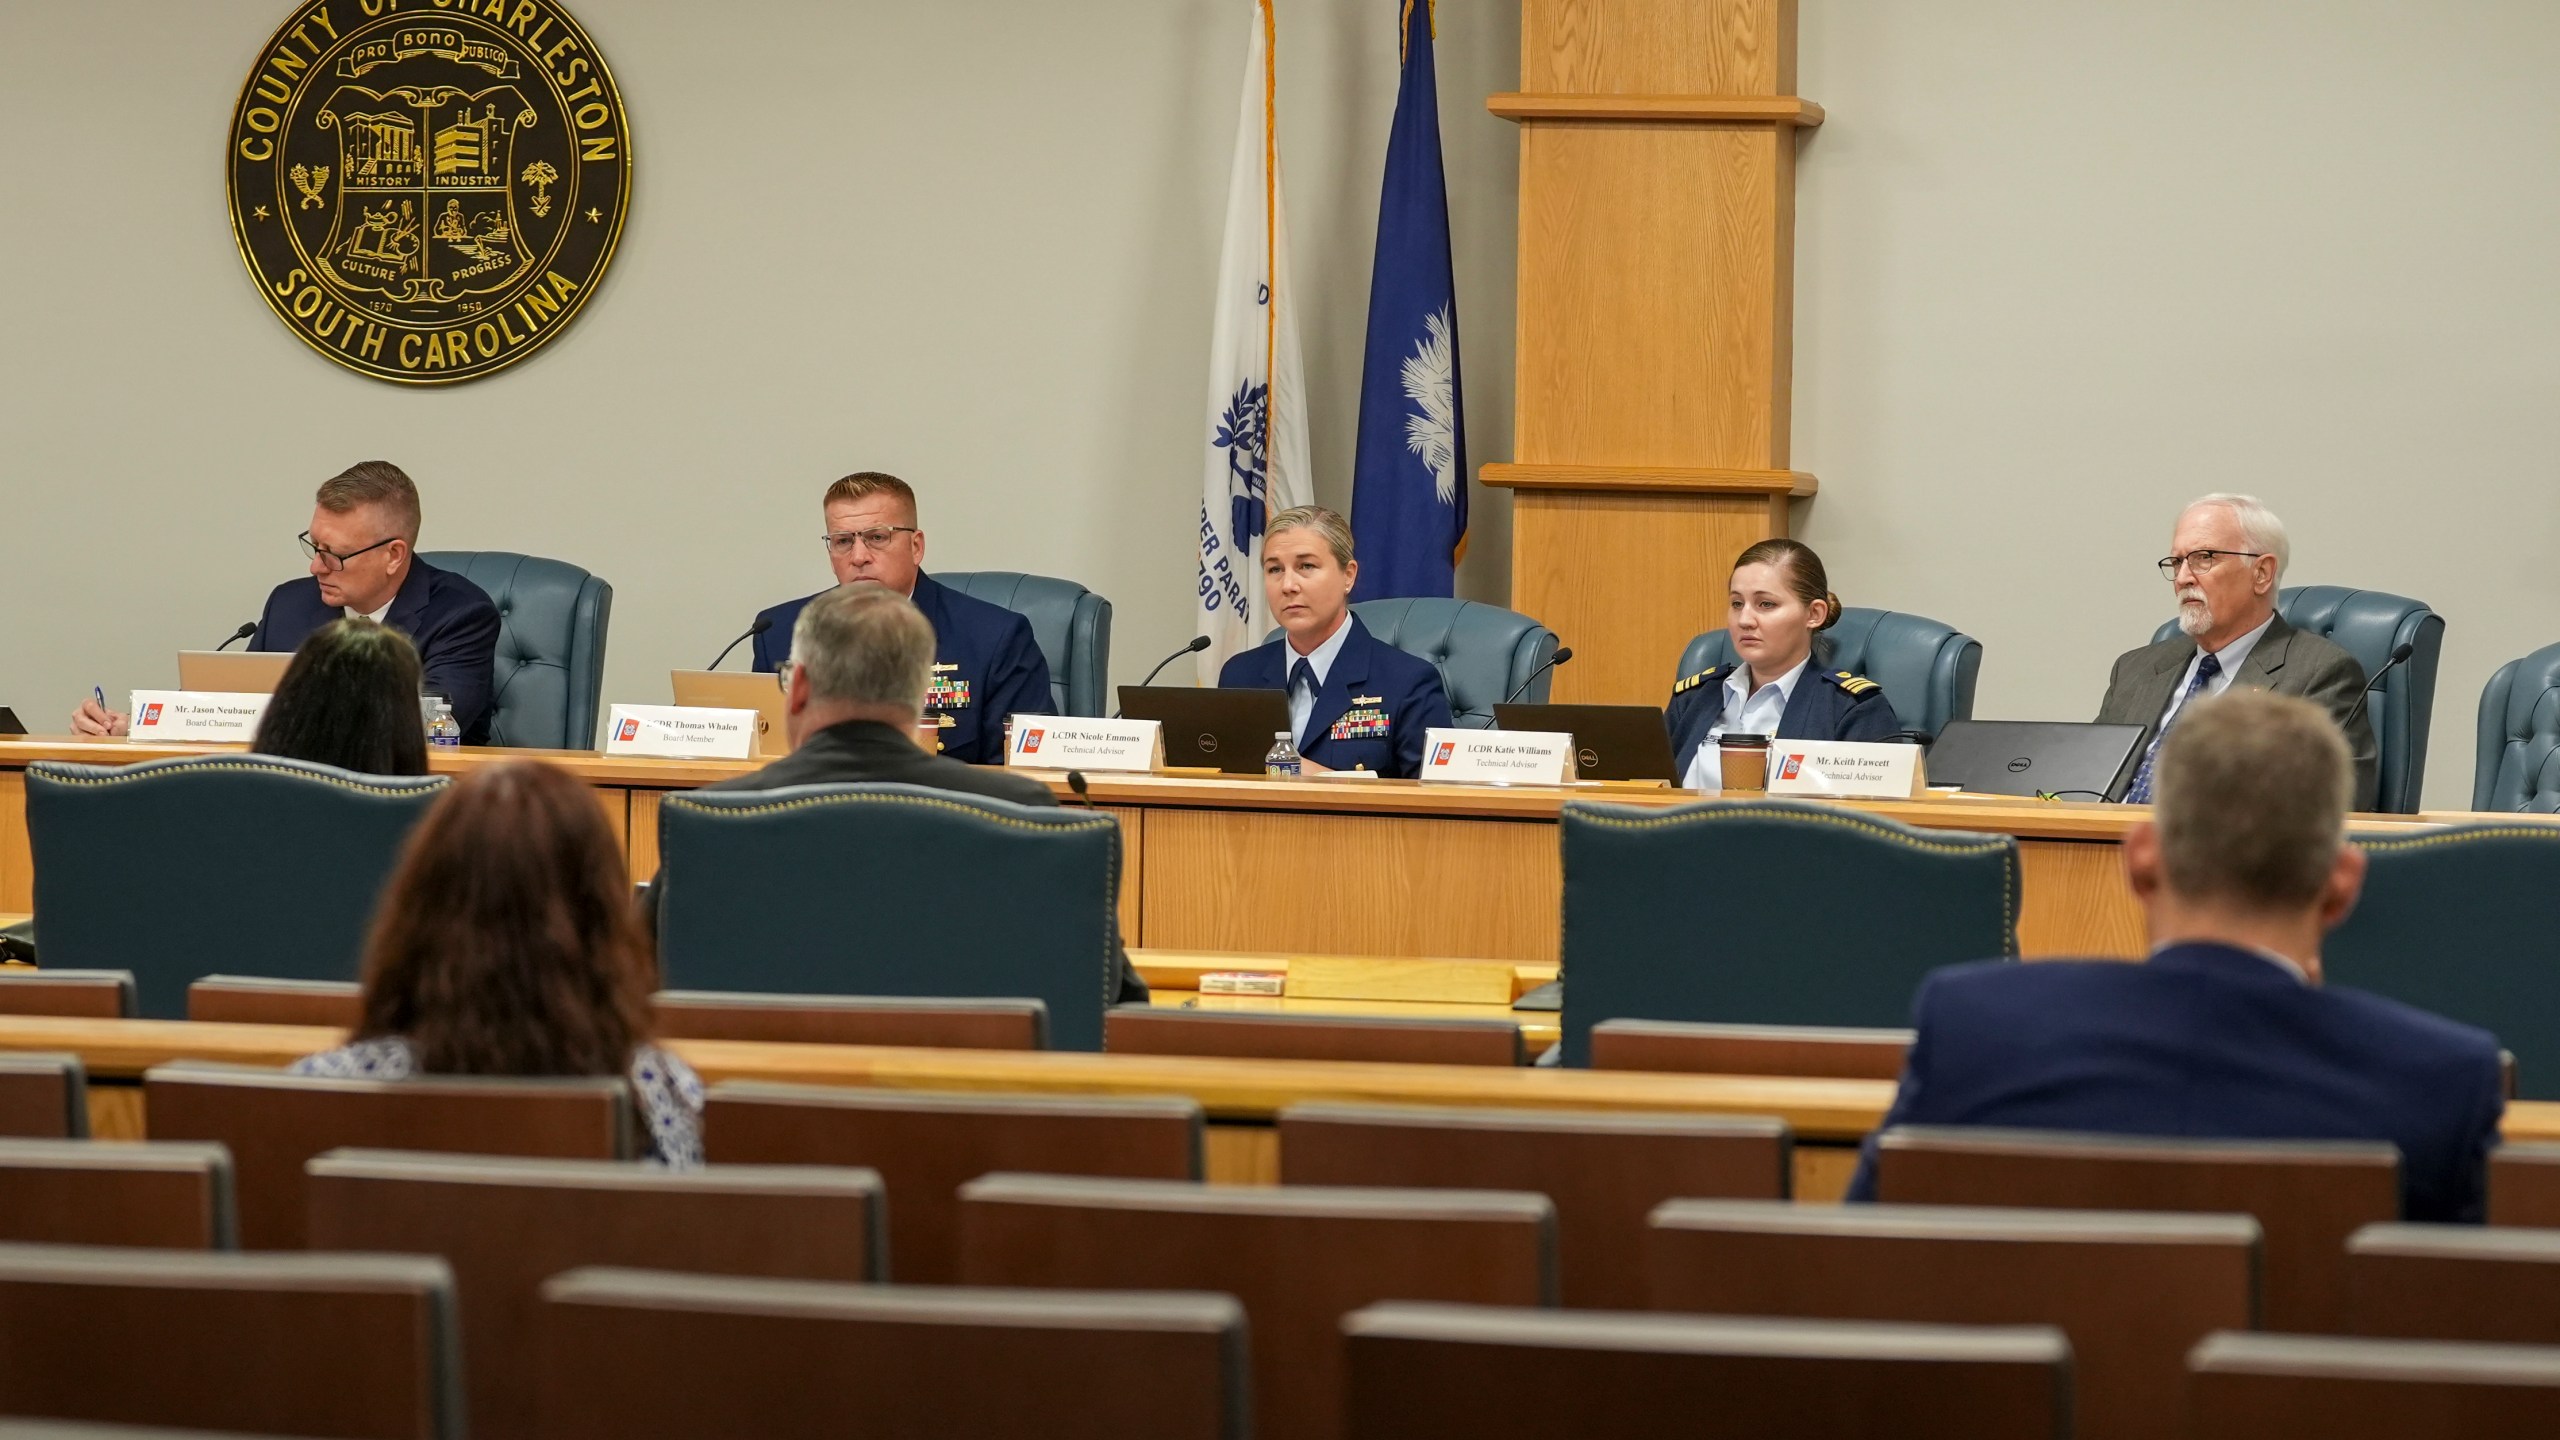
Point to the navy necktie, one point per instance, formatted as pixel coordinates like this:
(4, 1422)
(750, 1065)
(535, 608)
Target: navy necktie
(1303, 673)
(2139, 792)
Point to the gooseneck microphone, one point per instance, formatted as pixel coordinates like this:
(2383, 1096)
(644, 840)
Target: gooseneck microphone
(2399, 652)
(247, 629)
(1197, 644)
(1563, 653)
(1082, 787)
(763, 623)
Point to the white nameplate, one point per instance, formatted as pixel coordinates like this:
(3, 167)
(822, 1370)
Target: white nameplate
(1498, 757)
(680, 732)
(1846, 767)
(1072, 742)
(196, 715)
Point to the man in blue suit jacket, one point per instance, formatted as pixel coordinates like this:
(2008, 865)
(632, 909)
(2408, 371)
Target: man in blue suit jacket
(986, 666)
(363, 545)
(2226, 1031)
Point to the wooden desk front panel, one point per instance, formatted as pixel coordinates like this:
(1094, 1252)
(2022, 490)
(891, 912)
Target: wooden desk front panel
(1331, 884)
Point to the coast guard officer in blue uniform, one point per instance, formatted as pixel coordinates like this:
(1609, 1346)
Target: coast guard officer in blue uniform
(986, 665)
(1780, 601)
(363, 544)
(1354, 702)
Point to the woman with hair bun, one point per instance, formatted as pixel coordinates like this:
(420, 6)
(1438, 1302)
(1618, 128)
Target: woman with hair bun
(1779, 603)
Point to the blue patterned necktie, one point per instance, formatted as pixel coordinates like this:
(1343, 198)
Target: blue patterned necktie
(2139, 793)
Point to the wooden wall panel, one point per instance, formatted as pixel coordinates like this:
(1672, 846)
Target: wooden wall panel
(1663, 583)
(1650, 270)
(1663, 47)
(1352, 885)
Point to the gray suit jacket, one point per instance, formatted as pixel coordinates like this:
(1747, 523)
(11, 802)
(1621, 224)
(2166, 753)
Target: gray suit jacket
(2284, 660)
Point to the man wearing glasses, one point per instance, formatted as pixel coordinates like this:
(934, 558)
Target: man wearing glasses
(986, 665)
(362, 547)
(2225, 559)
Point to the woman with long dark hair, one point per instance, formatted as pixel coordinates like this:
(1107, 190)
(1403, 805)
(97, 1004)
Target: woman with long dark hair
(507, 944)
(349, 699)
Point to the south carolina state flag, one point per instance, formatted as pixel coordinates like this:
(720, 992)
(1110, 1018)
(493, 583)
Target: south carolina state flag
(1409, 486)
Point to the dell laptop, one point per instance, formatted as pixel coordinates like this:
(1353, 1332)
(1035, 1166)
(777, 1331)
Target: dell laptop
(2064, 759)
(1610, 742)
(1227, 730)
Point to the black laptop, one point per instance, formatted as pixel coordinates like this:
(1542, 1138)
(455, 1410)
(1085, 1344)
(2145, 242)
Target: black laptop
(1610, 742)
(2061, 758)
(1228, 730)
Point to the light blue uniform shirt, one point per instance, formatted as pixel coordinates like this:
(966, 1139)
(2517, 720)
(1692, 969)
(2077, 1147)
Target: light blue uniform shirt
(1757, 713)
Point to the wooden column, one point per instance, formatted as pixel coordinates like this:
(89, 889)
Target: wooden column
(1657, 275)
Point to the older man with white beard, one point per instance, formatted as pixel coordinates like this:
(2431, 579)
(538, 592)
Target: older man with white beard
(2225, 559)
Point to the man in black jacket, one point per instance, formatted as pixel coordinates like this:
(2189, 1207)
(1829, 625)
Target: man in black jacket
(861, 661)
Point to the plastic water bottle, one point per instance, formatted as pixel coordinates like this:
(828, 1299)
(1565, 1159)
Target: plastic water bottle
(445, 730)
(1283, 759)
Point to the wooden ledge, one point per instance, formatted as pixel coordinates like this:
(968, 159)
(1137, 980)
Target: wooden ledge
(1648, 478)
(1763, 109)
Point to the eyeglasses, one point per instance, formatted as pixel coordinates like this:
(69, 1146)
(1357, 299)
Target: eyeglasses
(2199, 562)
(842, 542)
(331, 559)
(782, 677)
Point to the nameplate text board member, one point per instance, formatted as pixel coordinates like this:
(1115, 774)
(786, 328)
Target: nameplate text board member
(986, 666)
(1355, 702)
(2226, 1030)
(1778, 604)
(2227, 554)
(363, 552)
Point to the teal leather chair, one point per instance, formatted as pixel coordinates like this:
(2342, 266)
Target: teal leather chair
(1654, 928)
(892, 890)
(2517, 766)
(2369, 625)
(1483, 652)
(2459, 922)
(552, 618)
(1071, 624)
(1927, 669)
(219, 864)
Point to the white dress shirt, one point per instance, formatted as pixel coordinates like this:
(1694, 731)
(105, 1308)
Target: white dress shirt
(2231, 658)
(1302, 701)
(1757, 713)
(376, 616)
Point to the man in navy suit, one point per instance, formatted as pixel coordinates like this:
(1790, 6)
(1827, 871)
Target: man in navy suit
(2226, 1030)
(986, 665)
(362, 545)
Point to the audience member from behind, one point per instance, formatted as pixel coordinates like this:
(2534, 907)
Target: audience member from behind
(349, 699)
(506, 945)
(861, 661)
(2226, 1031)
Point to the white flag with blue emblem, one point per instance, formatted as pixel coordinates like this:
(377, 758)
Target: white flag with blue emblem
(1255, 438)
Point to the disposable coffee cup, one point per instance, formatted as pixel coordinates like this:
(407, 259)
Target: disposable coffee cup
(1745, 761)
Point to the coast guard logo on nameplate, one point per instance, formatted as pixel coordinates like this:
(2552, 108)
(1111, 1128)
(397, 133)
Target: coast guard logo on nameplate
(630, 730)
(1790, 767)
(428, 192)
(1441, 755)
(1031, 742)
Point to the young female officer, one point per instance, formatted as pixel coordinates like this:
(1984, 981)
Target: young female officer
(1780, 601)
(1354, 703)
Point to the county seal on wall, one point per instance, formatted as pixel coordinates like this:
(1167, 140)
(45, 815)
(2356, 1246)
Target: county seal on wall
(429, 190)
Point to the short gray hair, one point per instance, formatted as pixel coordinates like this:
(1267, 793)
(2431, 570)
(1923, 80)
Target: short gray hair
(2251, 791)
(2264, 531)
(1329, 526)
(374, 482)
(865, 644)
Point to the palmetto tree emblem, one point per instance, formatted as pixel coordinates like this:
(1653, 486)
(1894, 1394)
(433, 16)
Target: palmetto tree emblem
(539, 175)
(1431, 383)
(1244, 432)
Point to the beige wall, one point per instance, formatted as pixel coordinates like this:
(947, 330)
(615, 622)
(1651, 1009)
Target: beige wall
(971, 243)
(2060, 267)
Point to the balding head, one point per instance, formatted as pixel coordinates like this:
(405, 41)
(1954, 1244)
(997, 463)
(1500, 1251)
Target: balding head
(2247, 839)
